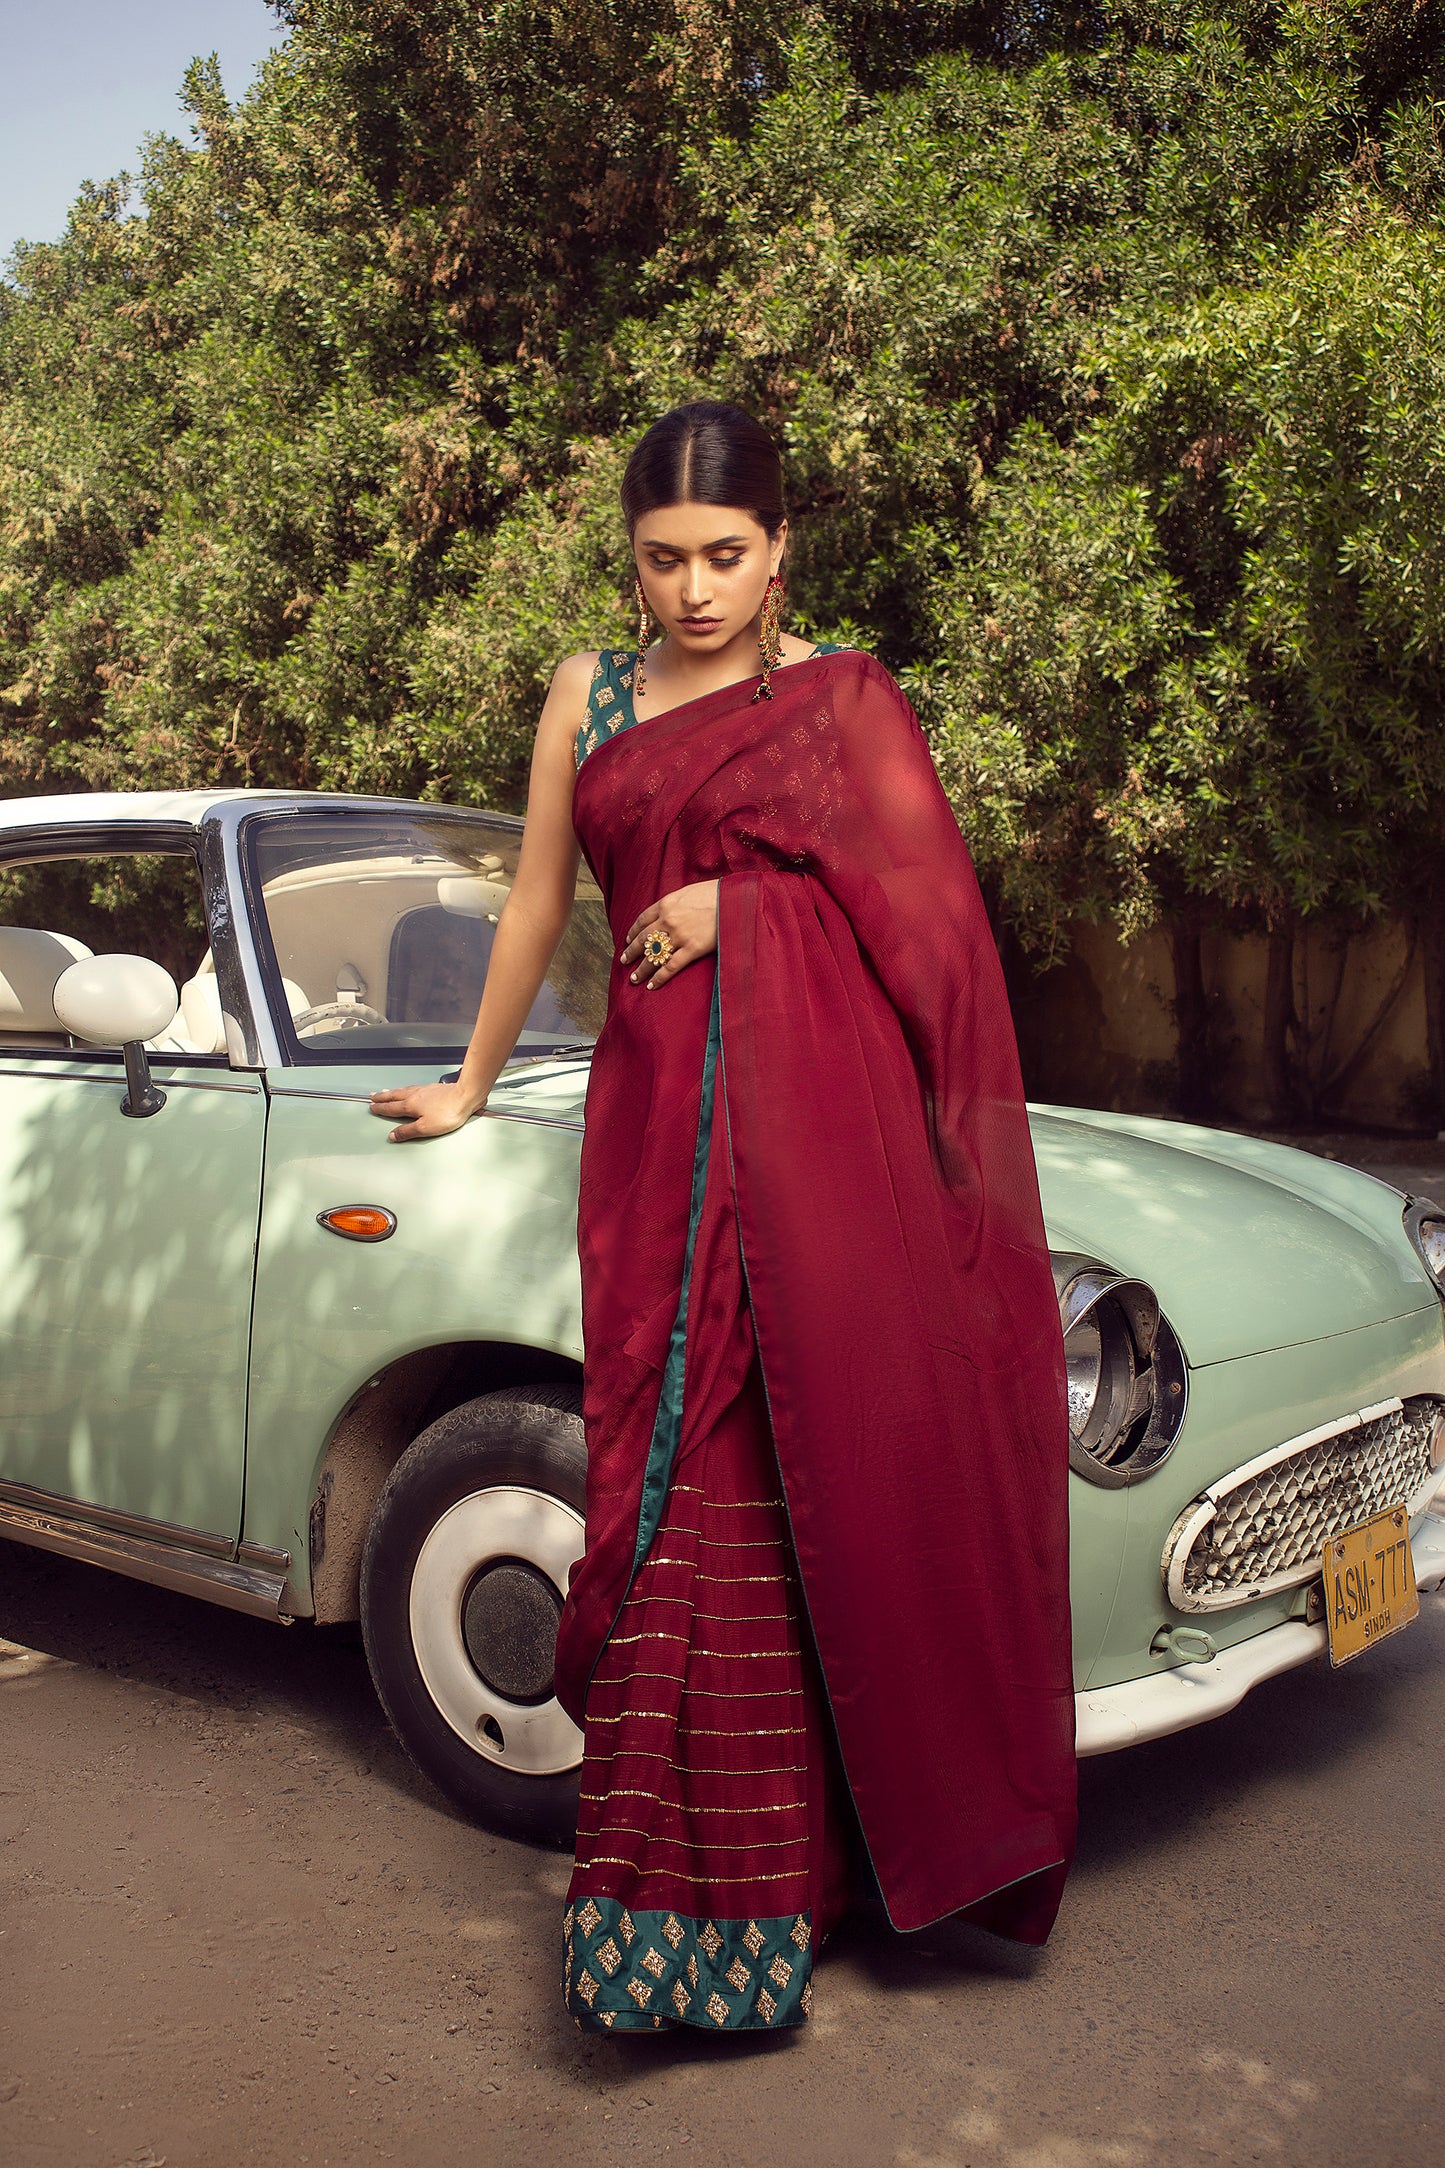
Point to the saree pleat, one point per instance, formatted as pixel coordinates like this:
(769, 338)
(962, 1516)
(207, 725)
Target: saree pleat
(712, 1822)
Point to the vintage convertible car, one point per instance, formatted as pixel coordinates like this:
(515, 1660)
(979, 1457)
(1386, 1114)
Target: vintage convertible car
(251, 1350)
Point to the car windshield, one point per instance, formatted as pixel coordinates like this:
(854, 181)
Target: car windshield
(376, 927)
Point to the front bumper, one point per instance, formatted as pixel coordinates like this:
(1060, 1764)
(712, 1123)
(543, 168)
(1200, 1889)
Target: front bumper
(1126, 1715)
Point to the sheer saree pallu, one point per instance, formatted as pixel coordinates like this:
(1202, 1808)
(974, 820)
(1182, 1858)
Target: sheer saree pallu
(825, 1582)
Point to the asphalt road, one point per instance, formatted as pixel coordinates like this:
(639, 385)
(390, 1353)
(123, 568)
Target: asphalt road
(237, 1928)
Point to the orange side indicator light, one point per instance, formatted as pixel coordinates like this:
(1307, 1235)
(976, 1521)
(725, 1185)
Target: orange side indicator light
(359, 1222)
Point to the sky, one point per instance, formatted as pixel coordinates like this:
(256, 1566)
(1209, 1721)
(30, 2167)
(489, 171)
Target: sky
(83, 81)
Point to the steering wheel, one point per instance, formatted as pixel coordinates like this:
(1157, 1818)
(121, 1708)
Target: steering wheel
(345, 1015)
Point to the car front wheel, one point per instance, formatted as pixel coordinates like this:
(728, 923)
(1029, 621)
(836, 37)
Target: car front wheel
(462, 1583)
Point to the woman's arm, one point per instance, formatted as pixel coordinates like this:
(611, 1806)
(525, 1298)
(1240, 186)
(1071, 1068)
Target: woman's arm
(532, 922)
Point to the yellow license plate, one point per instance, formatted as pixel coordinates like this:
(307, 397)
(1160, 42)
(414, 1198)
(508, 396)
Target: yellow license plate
(1369, 1584)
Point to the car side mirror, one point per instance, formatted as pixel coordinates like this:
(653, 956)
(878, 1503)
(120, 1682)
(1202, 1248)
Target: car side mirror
(120, 1001)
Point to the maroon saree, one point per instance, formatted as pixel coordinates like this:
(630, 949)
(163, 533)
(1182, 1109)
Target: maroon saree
(824, 1600)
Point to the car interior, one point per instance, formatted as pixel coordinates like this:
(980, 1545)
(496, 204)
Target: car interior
(387, 952)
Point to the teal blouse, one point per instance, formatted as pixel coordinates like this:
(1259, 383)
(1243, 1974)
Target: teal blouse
(609, 701)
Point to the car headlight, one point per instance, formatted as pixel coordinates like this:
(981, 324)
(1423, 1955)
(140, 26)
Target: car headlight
(1127, 1378)
(1425, 1225)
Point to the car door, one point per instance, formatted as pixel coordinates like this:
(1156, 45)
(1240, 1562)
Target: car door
(127, 1246)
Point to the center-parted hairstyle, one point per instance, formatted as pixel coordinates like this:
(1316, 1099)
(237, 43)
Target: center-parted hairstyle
(705, 453)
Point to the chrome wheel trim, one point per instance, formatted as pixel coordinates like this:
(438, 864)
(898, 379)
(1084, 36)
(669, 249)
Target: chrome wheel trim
(508, 1521)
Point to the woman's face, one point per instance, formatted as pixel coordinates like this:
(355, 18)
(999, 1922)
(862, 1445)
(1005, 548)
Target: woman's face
(704, 570)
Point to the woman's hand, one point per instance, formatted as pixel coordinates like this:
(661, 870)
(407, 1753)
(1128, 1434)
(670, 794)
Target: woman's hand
(689, 917)
(426, 1110)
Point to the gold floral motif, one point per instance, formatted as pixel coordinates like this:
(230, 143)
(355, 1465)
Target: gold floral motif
(567, 1918)
(717, 2009)
(626, 679)
(618, 659)
(640, 1992)
(780, 1972)
(680, 1998)
(606, 2017)
(587, 1988)
(655, 1963)
(738, 1973)
(801, 1932)
(589, 1918)
(608, 1956)
(767, 2005)
(606, 697)
(753, 1938)
(710, 1939)
(626, 1929)
(806, 1999)
(673, 1929)
(692, 1971)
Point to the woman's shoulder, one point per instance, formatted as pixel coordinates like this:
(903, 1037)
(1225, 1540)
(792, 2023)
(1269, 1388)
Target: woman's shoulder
(576, 671)
(861, 683)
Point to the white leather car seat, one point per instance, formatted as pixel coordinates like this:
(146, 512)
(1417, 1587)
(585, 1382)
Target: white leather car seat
(30, 963)
(199, 1027)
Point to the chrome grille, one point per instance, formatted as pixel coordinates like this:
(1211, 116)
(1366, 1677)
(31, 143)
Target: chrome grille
(1264, 1527)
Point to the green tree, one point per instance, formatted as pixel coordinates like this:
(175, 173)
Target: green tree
(1101, 339)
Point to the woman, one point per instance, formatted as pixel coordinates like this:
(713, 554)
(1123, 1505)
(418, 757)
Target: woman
(820, 1633)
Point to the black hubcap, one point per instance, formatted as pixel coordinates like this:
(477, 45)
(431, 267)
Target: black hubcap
(509, 1624)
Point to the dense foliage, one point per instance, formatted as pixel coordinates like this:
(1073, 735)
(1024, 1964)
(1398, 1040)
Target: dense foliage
(1104, 340)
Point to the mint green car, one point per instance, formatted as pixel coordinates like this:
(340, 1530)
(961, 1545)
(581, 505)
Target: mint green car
(251, 1350)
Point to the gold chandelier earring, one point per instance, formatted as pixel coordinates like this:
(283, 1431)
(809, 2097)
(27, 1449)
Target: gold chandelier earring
(770, 637)
(644, 635)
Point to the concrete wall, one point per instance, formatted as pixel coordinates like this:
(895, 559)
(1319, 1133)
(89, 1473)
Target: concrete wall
(1099, 1029)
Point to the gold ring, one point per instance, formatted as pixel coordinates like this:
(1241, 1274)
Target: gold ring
(658, 946)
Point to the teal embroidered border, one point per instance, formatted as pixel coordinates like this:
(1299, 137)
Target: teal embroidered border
(637, 1971)
(667, 1428)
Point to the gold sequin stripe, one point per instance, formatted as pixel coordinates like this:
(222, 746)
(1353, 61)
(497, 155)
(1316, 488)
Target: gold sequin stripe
(698, 1731)
(737, 1618)
(724, 1505)
(696, 1769)
(718, 1618)
(710, 1656)
(691, 1806)
(681, 1632)
(712, 1580)
(695, 1648)
(635, 1969)
(729, 1505)
(704, 1693)
(739, 1543)
(707, 1575)
(744, 1618)
(730, 1778)
(688, 1844)
(614, 1859)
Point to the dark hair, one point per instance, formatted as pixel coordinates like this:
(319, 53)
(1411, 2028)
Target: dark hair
(705, 453)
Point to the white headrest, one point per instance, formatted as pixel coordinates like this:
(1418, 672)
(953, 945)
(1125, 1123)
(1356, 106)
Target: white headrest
(30, 964)
(200, 1017)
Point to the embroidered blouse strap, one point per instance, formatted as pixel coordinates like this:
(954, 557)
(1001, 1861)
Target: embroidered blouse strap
(609, 700)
